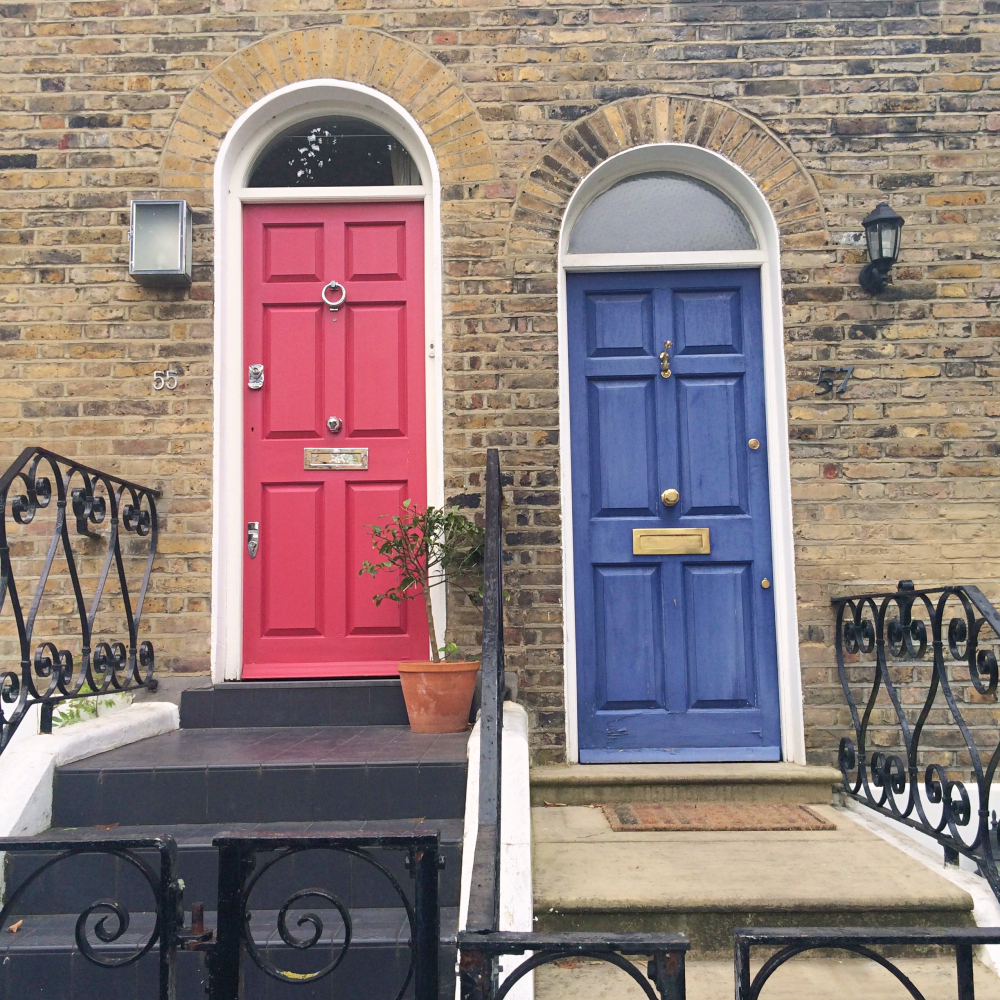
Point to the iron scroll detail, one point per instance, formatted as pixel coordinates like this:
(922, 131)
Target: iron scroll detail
(100, 928)
(78, 500)
(918, 669)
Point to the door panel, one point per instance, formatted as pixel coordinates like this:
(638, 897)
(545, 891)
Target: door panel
(306, 612)
(676, 654)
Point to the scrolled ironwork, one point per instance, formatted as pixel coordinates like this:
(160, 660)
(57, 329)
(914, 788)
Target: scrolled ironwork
(240, 877)
(105, 922)
(861, 941)
(315, 921)
(923, 751)
(49, 674)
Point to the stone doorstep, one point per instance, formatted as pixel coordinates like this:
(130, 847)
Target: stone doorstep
(583, 784)
(586, 877)
(806, 978)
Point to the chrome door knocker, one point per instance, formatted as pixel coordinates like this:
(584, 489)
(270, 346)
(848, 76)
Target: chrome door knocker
(334, 304)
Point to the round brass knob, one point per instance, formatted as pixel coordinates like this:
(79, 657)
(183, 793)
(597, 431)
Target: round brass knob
(765, 583)
(754, 444)
(669, 497)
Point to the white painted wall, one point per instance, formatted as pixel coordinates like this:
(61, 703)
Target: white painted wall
(516, 902)
(28, 765)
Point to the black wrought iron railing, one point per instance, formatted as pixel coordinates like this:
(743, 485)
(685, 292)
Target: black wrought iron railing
(305, 940)
(482, 944)
(51, 554)
(919, 675)
(785, 943)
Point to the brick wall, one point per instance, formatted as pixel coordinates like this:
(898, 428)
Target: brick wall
(102, 101)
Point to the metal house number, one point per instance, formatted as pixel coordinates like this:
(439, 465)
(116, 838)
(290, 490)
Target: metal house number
(165, 379)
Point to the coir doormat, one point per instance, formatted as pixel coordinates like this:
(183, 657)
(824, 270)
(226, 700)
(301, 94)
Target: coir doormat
(707, 816)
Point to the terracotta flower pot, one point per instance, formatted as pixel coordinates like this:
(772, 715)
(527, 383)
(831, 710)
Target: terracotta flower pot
(438, 696)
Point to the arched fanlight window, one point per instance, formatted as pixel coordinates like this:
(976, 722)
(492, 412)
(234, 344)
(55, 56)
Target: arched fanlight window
(660, 212)
(334, 152)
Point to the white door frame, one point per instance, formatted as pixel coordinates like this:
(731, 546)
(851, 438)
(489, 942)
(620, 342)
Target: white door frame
(249, 135)
(716, 170)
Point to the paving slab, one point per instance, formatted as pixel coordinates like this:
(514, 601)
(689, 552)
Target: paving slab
(583, 784)
(588, 877)
(804, 978)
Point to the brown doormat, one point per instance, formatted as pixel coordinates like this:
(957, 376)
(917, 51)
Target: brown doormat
(673, 816)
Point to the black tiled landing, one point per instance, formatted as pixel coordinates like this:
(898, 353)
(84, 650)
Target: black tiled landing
(349, 702)
(296, 774)
(74, 883)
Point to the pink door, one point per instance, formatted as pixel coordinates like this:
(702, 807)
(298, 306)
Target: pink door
(306, 612)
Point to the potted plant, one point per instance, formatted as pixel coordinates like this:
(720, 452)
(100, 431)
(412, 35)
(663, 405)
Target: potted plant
(429, 548)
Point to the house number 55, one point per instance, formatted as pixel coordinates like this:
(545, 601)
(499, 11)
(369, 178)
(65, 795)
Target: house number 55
(165, 380)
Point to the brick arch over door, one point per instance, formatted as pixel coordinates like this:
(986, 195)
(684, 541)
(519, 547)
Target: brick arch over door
(546, 190)
(427, 89)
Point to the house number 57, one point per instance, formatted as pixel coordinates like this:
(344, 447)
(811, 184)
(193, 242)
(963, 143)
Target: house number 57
(165, 380)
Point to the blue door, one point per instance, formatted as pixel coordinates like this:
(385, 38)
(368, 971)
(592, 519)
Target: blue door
(675, 643)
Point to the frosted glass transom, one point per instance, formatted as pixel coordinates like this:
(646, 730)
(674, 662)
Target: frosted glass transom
(659, 213)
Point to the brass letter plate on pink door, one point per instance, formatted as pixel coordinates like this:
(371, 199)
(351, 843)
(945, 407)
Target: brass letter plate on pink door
(671, 542)
(334, 458)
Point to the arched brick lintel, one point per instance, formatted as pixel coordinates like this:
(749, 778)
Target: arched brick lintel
(426, 88)
(636, 121)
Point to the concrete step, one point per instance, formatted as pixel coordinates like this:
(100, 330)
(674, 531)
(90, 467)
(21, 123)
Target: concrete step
(804, 978)
(584, 784)
(74, 883)
(587, 877)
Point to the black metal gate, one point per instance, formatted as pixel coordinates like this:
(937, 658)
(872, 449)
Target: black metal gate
(313, 931)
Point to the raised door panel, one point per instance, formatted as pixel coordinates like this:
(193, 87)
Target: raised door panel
(719, 625)
(711, 440)
(707, 321)
(293, 252)
(620, 325)
(623, 432)
(628, 623)
(367, 504)
(375, 380)
(292, 570)
(375, 251)
(293, 366)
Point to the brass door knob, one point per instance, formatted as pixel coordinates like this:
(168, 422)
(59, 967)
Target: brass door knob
(669, 497)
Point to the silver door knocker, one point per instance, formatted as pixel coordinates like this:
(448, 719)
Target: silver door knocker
(334, 304)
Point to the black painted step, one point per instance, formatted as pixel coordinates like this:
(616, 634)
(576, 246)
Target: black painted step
(74, 883)
(293, 774)
(40, 962)
(351, 702)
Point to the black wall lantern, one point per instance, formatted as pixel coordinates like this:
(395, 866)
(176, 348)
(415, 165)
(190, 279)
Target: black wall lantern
(883, 228)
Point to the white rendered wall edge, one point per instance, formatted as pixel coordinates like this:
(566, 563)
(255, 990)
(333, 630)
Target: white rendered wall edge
(985, 907)
(516, 898)
(28, 766)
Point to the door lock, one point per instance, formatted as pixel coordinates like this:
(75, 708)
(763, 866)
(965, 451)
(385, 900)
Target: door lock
(334, 425)
(253, 537)
(669, 497)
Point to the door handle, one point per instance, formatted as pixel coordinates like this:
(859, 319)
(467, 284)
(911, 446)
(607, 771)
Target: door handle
(669, 497)
(253, 537)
